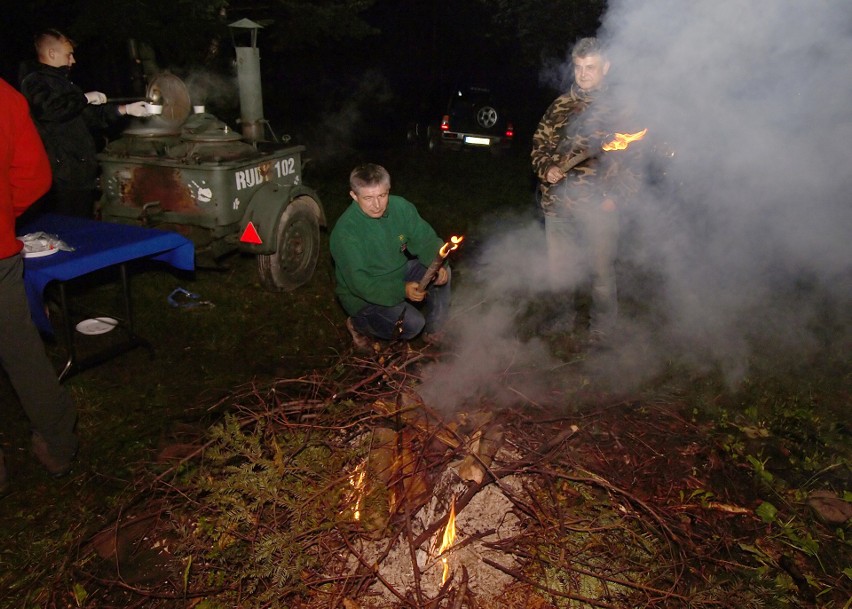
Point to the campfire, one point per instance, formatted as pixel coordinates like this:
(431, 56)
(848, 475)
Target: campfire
(362, 496)
(450, 515)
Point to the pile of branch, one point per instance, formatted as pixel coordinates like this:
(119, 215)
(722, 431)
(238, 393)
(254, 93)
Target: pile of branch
(619, 505)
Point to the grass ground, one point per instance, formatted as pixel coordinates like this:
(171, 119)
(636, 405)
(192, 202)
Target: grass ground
(132, 405)
(129, 405)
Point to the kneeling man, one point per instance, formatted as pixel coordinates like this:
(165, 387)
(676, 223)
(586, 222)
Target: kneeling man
(381, 248)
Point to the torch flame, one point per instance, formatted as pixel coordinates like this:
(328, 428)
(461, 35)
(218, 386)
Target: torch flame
(450, 245)
(623, 140)
(448, 539)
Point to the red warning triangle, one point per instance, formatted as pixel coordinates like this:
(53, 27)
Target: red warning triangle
(250, 235)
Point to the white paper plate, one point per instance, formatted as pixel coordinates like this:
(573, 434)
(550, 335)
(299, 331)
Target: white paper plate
(97, 325)
(40, 252)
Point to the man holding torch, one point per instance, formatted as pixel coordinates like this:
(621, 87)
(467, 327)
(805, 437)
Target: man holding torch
(580, 191)
(381, 249)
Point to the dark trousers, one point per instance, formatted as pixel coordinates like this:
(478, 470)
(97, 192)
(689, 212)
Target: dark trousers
(47, 404)
(406, 320)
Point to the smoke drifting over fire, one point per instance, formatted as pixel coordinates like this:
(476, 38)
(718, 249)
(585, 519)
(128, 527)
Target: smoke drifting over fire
(741, 237)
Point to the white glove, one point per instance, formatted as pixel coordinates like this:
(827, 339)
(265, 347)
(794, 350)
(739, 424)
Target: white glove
(96, 98)
(139, 109)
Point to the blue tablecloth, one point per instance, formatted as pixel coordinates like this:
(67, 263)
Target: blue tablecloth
(97, 245)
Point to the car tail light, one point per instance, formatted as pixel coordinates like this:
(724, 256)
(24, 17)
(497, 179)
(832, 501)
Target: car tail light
(510, 130)
(445, 123)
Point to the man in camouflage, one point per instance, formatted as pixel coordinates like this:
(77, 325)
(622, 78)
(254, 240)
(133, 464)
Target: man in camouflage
(580, 188)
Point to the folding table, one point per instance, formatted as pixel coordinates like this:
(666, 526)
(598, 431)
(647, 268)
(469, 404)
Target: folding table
(96, 245)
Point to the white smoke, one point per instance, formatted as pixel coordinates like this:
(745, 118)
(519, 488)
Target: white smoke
(747, 239)
(207, 87)
(754, 100)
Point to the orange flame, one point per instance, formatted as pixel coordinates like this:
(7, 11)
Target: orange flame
(623, 140)
(356, 481)
(450, 245)
(448, 540)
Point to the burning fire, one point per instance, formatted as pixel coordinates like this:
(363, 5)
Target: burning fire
(356, 481)
(450, 245)
(448, 539)
(623, 140)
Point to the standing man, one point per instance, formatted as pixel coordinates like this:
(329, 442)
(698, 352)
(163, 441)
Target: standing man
(381, 248)
(580, 203)
(64, 116)
(24, 177)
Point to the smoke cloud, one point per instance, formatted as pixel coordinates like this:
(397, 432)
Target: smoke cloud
(207, 87)
(740, 239)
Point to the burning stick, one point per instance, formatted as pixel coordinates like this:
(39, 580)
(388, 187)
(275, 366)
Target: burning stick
(619, 141)
(622, 140)
(356, 481)
(447, 541)
(440, 257)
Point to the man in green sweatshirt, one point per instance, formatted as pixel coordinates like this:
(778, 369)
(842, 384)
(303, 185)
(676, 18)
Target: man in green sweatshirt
(381, 249)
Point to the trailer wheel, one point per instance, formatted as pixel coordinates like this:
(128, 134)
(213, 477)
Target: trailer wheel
(297, 248)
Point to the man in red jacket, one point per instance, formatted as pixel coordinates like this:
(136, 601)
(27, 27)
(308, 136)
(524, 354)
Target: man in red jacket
(25, 176)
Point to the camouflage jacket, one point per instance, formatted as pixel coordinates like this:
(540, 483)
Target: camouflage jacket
(575, 121)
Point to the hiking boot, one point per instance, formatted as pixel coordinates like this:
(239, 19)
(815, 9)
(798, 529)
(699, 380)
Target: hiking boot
(55, 467)
(361, 342)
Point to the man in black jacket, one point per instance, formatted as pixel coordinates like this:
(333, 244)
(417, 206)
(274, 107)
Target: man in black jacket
(64, 116)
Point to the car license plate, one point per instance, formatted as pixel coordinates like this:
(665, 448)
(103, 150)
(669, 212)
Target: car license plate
(477, 141)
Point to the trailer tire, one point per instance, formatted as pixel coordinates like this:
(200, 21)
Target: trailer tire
(297, 245)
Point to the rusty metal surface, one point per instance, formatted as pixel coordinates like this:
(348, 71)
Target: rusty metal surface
(194, 171)
(163, 184)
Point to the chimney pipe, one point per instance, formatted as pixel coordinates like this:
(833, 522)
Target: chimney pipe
(248, 80)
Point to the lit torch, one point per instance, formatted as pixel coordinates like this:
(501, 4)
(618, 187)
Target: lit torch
(621, 141)
(442, 254)
(447, 541)
(618, 141)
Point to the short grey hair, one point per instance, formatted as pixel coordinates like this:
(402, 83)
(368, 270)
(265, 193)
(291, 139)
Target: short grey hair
(368, 174)
(586, 47)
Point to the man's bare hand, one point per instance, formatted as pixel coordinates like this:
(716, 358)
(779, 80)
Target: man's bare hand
(554, 174)
(443, 276)
(413, 292)
(608, 205)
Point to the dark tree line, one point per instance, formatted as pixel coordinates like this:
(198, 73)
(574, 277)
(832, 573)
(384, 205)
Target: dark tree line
(315, 52)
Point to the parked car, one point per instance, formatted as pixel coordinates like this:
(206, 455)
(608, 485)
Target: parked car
(472, 118)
